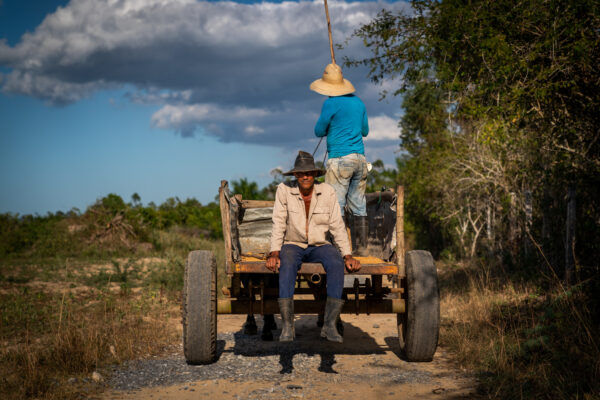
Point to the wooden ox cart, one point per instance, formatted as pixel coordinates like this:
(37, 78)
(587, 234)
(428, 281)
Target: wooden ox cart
(389, 281)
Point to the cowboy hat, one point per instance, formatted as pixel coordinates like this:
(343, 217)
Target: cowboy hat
(332, 83)
(305, 163)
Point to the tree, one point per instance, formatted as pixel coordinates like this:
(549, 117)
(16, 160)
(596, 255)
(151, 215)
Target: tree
(248, 190)
(380, 177)
(136, 200)
(268, 192)
(500, 98)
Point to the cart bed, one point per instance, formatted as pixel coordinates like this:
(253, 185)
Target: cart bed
(247, 229)
(369, 266)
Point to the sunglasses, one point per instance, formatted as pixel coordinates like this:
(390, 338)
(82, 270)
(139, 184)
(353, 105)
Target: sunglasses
(301, 174)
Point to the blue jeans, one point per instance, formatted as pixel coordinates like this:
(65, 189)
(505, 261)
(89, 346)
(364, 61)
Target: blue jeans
(348, 176)
(292, 257)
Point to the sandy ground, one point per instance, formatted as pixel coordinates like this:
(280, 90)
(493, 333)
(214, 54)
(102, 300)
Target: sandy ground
(366, 365)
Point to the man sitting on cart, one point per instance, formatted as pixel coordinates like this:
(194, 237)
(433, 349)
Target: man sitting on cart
(303, 214)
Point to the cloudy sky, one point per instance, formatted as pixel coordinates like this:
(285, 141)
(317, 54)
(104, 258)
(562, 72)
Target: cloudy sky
(167, 97)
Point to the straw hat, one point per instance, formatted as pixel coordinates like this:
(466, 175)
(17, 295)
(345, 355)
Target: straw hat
(305, 163)
(332, 83)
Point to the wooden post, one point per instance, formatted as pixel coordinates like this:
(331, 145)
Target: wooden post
(400, 250)
(488, 223)
(226, 222)
(329, 30)
(570, 236)
(513, 244)
(489, 233)
(512, 218)
(528, 219)
(548, 208)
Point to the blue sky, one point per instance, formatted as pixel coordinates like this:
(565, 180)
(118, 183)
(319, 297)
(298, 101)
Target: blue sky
(113, 96)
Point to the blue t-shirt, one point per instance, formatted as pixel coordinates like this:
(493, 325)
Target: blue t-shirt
(344, 121)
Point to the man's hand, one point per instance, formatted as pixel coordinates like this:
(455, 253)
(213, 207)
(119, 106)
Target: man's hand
(273, 261)
(351, 264)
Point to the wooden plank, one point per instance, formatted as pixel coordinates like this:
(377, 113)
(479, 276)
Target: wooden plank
(274, 292)
(257, 203)
(400, 250)
(226, 222)
(258, 267)
(373, 306)
(570, 236)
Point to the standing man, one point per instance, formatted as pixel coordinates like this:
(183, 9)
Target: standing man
(344, 121)
(303, 214)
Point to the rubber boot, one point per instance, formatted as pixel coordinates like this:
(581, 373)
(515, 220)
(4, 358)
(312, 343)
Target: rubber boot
(333, 307)
(361, 230)
(286, 308)
(268, 325)
(320, 320)
(339, 324)
(250, 325)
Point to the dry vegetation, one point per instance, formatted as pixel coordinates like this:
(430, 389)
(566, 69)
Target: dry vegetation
(525, 338)
(62, 320)
(72, 306)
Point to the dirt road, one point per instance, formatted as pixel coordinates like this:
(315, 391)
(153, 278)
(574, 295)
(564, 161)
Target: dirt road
(366, 365)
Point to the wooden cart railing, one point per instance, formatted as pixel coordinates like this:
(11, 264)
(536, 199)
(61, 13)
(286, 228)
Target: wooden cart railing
(252, 263)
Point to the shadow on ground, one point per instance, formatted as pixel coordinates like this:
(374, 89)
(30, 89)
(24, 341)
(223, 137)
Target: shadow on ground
(308, 341)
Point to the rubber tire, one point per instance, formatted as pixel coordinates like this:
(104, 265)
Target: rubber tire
(200, 308)
(418, 327)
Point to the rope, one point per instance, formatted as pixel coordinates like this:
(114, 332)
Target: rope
(316, 148)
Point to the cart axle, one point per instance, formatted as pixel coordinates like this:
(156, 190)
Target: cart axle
(270, 306)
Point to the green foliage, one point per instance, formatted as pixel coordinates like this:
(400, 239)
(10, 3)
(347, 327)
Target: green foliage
(380, 177)
(502, 103)
(123, 274)
(501, 107)
(108, 227)
(111, 226)
(174, 212)
(530, 338)
(46, 235)
(25, 311)
(168, 275)
(248, 190)
(424, 121)
(113, 203)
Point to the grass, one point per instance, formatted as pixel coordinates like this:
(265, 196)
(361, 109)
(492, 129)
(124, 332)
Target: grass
(526, 338)
(64, 318)
(70, 337)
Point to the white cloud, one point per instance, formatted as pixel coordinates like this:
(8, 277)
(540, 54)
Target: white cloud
(185, 118)
(383, 127)
(203, 112)
(46, 87)
(237, 71)
(254, 130)
(154, 96)
(182, 44)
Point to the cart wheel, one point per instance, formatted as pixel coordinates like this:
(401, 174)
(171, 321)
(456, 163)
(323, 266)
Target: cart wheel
(200, 308)
(418, 327)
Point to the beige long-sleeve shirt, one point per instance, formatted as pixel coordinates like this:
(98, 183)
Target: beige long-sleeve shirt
(289, 218)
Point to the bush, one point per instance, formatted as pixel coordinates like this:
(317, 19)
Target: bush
(109, 227)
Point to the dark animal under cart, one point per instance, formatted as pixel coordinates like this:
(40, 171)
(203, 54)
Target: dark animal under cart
(389, 281)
